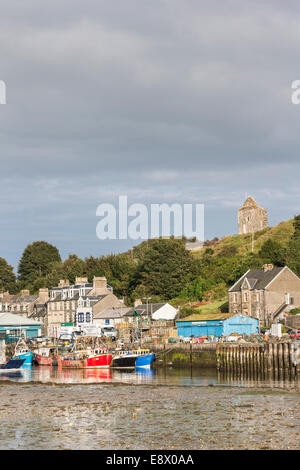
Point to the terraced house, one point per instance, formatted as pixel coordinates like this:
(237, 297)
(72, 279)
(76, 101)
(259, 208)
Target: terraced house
(267, 294)
(23, 304)
(77, 303)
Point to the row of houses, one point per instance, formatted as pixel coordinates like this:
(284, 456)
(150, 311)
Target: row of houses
(81, 304)
(266, 295)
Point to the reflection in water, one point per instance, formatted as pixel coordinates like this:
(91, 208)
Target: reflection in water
(160, 376)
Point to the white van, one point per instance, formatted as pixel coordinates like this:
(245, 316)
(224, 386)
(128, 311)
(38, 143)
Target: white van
(109, 332)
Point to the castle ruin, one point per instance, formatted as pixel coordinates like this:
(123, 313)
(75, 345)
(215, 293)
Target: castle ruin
(251, 217)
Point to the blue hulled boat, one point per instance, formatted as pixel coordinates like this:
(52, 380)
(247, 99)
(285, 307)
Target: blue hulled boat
(143, 358)
(23, 352)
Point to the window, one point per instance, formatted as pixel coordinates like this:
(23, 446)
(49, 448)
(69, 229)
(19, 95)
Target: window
(245, 296)
(235, 298)
(87, 317)
(258, 296)
(107, 321)
(80, 317)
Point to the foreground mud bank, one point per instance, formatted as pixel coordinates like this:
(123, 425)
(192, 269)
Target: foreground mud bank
(44, 416)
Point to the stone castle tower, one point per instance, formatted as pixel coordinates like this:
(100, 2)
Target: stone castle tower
(251, 217)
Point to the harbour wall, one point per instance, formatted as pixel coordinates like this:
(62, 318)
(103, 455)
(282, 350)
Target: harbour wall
(261, 361)
(185, 355)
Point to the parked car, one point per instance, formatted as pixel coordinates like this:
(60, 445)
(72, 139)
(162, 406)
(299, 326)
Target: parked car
(109, 332)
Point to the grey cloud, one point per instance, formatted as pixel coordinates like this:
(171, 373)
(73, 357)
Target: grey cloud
(157, 100)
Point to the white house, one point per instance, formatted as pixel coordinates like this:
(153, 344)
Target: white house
(160, 311)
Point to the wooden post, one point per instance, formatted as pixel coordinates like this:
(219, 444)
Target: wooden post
(247, 361)
(275, 361)
(269, 359)
(243, 353)
(254, 361)
(290, 361)
(280, 360)
(226, 357)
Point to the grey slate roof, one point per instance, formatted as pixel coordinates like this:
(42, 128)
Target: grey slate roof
(142, 309)
(257, 278)
(21, 299)
(118, 312)
(11, 319)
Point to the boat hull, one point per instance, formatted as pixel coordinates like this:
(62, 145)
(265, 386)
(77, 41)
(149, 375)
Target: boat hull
(12, 365)
(43, 360)
(28, 357)
(96, 362)
(123, 362)
(145, 361)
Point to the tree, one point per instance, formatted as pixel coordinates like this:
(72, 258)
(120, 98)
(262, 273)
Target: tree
(7, 277)
(72, 267)
(163, 269)
(272, 252)
(293, 248)
(36, 261)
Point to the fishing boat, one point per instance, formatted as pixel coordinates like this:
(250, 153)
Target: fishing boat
(12, 365)
(144, 358)
(23, 352)
(123, 359)
(91, 358)
(129, 359)
(47, 356)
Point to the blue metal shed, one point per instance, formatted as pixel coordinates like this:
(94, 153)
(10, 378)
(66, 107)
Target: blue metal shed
(216, 324)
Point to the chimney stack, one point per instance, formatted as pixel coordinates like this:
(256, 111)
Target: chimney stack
(81, 280)
(268, 267)
(43, 295)
(137, 302)
(25, 292)
(64, 283)
(100, 285)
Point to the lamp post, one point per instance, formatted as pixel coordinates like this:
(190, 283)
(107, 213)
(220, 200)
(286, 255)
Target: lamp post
(147, 298)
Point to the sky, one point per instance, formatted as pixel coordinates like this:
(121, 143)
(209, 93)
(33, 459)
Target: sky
(168, 101)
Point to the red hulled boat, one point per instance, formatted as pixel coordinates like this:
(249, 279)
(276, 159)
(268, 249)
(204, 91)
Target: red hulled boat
(89, 359)
(45, 356)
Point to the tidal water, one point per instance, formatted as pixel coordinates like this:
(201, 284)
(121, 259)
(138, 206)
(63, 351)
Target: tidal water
(51, 408)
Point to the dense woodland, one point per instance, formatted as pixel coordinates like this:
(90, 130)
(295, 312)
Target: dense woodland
(161, 268)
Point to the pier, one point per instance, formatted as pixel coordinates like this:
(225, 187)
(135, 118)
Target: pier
(262, 361)
(267, 360)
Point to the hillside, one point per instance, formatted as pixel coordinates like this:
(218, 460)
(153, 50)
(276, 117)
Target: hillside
(242, 244)
(164, 270)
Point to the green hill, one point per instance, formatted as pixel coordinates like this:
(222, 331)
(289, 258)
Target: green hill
(242, 244)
